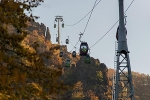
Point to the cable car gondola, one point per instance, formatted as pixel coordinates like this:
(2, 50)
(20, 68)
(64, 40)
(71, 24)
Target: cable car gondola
(68, 63)
(67, 41)
(83, 48)
(62, 25)
(87, 59)
(54, 25)
(60, 54)
(56, 39)
(73, 54)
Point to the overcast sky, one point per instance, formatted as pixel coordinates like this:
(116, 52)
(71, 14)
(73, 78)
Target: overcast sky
(104, 16)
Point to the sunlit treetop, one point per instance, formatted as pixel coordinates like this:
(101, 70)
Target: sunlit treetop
(17, 12)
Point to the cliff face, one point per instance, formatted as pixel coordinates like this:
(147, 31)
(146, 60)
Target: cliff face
(47, 36)
(40, 28)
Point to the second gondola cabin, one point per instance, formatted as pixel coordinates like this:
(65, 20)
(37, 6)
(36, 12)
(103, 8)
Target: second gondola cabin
(54, 25)
(56, 39)
(83, 48)
(73, 54)
(62, 25)
(67, 41)
(87, 59)
(60, 54)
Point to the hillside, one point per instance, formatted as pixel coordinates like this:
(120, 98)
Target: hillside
(43, 74)
(88, 81)
(141, 84)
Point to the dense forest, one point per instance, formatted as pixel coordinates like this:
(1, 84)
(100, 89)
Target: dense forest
(31, 68)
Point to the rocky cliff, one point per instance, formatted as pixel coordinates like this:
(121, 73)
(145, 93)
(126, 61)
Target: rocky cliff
(41, 29)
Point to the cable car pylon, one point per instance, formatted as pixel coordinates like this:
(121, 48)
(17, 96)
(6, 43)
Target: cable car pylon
(123, 86)
(58, 19)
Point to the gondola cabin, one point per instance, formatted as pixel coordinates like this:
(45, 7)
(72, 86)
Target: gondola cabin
(73, 54)
(60, 54)
(56, 39)
(67, 41)
(87, 59)
(54, 25)
(83, 48)
(62, 25)
(68, 63)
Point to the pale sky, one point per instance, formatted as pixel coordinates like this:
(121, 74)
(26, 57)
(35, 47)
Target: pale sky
(104, 16)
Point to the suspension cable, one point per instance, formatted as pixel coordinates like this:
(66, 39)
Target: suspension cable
(129, 6)
(84, 16)
(86, 23)
(89, 17)
(104, 34)
(111, 27)
(68, 35)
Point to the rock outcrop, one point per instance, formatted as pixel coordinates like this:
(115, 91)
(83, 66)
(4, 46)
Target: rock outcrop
(40, 28)
(47, 36)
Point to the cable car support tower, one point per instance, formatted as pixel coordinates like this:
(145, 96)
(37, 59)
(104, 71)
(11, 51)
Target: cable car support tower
(123, 87)
(58, 19)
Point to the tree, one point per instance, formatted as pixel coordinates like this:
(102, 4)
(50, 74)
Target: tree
(23, 74)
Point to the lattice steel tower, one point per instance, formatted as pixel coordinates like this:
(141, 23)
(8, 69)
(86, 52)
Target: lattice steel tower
(123, 87)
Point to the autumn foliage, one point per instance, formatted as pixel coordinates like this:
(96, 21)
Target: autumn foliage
(24, 73)
(31, 69)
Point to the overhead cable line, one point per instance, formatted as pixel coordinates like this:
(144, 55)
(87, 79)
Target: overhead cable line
(111, 27)
(89, 17)
(68, 35)
(104, 34)
(86, 23)
(129, 6)
(84, 16)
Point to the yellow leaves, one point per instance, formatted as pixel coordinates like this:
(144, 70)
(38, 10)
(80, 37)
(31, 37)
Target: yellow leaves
(78, 90)
(4, 96)
(36, 43)
(37, 87)
(91, 94)
(78, 85)
(16, 62)
(99, 75)
(34, 89)
(79, 94)
(30, 49)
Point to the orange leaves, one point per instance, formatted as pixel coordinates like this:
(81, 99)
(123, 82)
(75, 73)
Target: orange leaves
(92, 95)
(22, 66)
